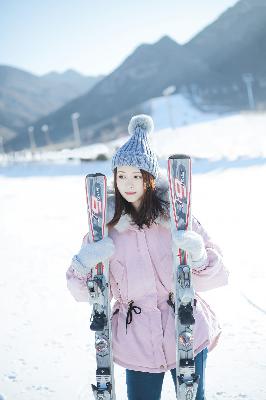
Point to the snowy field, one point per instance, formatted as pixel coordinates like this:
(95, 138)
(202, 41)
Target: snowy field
(46, 348)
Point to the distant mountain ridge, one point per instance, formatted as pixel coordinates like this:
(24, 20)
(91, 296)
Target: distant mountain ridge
(236, 42)
(212, 63)
(81, 82)
(26, 97)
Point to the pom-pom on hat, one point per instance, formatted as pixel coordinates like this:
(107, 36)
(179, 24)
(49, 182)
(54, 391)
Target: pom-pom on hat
(137, 151)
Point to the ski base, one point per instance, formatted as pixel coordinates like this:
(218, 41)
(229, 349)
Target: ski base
(103, 390)
(188, 388)
(101, 394)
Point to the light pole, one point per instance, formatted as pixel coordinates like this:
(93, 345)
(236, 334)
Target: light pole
(248, 79)
(45, 129)
(167, 93)
(32, 138)
(2, 150)
(74, 117)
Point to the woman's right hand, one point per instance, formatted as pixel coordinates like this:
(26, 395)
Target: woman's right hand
(91, 254)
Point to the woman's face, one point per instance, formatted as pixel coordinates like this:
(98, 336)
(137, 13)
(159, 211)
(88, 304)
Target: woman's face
(130, 184)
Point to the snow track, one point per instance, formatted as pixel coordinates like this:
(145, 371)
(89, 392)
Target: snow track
(253, 304)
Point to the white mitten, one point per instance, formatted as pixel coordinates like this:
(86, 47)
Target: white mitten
(91, 254)
(193, 243)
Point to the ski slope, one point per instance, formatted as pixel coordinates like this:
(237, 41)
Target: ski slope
(47, 350)
(188, 130)
(176, 111)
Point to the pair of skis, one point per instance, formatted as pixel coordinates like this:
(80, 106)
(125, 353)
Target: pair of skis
(179, 175)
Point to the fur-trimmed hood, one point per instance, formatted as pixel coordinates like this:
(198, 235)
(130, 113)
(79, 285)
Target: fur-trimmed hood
(125, 221)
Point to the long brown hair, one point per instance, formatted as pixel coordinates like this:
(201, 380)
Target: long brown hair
(151, 207)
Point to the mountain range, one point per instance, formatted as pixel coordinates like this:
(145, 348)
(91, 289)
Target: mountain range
(211, 65)
(25, 97)
(235, 43)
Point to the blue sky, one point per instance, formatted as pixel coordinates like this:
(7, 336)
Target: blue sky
(94, 37)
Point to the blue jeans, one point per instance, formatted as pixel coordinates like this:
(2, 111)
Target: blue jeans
(148, 386)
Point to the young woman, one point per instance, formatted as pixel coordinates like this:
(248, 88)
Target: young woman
(139, 247)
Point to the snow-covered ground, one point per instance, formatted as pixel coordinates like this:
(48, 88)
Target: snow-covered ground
(46, 347)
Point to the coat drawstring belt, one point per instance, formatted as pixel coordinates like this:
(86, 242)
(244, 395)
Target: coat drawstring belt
(130, 310)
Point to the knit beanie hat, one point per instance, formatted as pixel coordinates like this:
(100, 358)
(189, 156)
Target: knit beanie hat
(137, 151)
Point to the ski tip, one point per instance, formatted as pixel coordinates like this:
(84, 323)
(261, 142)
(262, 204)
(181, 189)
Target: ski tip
(179, 156)
(94, 175)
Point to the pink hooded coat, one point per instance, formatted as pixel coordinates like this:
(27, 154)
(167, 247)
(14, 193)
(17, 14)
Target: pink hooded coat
(141, 270)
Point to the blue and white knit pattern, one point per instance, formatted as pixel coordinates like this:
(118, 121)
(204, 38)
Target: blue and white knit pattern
(137, 151)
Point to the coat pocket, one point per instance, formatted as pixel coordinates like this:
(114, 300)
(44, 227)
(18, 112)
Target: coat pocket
(169, 343)
(118, 274)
